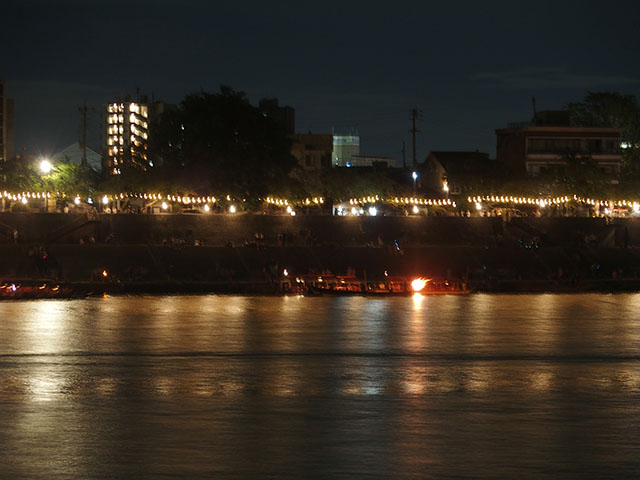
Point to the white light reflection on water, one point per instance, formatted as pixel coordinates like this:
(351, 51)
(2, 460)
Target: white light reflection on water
(45, 332)
(45, 326)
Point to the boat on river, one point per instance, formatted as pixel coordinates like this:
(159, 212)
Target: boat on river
(388, 286)
(28, 289)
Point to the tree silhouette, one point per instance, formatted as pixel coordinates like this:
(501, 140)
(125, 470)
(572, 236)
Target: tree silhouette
(611, 109)
(221, 142)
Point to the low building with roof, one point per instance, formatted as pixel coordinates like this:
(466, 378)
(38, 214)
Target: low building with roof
(73, 154)
(459, 170)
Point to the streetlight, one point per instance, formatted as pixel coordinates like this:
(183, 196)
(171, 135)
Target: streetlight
(46, 167)
(415, 177)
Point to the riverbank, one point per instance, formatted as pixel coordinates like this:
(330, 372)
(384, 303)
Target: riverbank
(249, 254)
(158, 269)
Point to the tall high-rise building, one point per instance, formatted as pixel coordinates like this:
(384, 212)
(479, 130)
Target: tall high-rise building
(7, 150)
(127, 137)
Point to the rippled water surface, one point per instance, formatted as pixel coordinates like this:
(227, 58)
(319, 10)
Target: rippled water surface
(479, 386)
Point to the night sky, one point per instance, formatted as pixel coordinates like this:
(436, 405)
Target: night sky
(469, 66)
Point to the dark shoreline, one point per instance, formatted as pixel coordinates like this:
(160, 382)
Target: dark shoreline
(88, 289)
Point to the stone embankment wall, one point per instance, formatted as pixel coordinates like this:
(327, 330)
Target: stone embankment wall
(216, 230)
(160, 248)
(237, 229)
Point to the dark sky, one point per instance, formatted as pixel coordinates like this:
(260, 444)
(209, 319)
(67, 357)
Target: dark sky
(469, 66)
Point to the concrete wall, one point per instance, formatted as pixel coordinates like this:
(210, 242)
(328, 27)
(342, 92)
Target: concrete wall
(412, 231)
(221, 229)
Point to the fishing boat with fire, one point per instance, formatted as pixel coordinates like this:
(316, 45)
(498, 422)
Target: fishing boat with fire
(388, 286)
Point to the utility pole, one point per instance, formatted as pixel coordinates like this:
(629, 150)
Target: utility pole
(83, 136)
(414, 117)
(404, 151)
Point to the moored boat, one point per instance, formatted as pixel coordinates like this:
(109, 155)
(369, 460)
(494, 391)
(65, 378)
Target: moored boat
(20, 289)
(389, 286)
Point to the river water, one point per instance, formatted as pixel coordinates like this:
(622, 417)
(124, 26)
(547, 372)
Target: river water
(478, 386)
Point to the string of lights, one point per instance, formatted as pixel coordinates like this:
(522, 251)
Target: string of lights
(480, 201)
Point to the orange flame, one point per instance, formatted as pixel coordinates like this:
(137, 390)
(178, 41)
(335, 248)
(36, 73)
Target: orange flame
(419, 283)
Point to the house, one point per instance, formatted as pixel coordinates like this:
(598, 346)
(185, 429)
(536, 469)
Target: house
(312, 150)
(460, 170)
(550, 141)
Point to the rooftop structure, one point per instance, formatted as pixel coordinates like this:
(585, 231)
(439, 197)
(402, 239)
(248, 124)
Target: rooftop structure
(345, 147)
